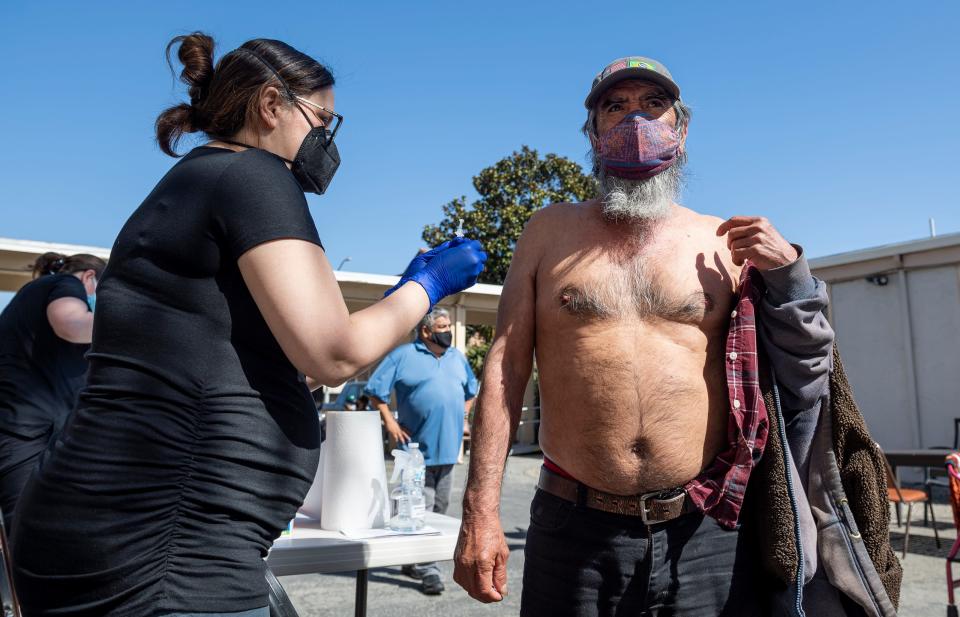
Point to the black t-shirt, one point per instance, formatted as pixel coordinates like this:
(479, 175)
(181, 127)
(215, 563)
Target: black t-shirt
(40, 373)
(196, 439)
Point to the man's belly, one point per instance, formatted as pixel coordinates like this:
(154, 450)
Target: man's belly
(632, 414)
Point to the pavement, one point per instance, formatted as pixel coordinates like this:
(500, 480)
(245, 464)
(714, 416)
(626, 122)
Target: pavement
(391, 594)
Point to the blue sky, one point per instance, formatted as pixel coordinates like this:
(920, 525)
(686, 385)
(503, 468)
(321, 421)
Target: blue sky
(838, 121)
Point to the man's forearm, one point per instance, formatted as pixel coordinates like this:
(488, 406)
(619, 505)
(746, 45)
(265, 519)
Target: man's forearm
(490, 442)
(385, 414)
(494, 424)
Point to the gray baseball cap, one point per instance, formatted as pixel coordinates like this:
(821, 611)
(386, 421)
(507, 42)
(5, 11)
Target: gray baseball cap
(631, 67)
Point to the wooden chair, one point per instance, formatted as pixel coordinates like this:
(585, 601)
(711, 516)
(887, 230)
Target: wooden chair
(908, 496)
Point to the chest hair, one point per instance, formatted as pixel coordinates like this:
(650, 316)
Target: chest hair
(631, 289)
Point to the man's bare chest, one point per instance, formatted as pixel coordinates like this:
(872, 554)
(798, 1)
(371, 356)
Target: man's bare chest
(681, 286)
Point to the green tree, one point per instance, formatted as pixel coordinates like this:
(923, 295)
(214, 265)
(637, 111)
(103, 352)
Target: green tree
(510, 191)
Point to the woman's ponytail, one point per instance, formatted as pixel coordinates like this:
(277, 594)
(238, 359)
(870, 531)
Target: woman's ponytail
(196, 54)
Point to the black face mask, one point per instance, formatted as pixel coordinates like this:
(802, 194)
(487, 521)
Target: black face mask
(443, 339)
(316, 161)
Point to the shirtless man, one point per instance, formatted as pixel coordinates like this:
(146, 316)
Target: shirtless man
(626, 301)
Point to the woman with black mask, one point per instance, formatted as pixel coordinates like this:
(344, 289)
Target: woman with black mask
(45, 331)
(196, 437)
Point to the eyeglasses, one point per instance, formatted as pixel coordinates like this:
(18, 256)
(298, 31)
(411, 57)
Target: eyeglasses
(332, 117)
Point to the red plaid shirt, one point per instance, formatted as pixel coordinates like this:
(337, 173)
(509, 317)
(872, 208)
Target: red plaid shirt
(718, 490)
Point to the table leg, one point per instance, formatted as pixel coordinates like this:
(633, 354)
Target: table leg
(360, 603)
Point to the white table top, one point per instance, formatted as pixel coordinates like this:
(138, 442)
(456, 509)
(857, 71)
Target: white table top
(311, 550)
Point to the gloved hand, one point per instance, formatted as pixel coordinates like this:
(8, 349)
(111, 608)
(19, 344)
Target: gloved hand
(451, 267)
(418, 262)
(421, 260)
(451, 270)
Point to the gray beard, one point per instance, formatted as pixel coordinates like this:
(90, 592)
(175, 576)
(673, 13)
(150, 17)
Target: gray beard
(638, 201)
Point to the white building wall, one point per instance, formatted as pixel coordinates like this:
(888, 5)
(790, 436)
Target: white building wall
(935, 323)
(868, 320)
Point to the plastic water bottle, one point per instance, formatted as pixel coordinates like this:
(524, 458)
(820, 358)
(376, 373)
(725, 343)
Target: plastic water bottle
(409, 468)
(419, 471)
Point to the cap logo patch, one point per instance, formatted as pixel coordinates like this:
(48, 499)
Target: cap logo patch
(613, 68)
(625, 64)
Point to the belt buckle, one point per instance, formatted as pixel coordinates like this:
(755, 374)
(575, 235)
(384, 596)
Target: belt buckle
(644, 510)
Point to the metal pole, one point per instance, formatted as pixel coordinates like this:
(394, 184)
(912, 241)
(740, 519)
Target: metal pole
(345, 260)
(360, 602)
(460, 327)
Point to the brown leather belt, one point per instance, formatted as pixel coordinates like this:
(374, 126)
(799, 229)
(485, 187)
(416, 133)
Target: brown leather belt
(652, 508)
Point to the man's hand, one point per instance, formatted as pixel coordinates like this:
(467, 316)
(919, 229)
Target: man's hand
(754, 238)
(397, 432)
(480, 561)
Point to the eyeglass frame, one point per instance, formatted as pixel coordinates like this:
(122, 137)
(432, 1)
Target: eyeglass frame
(293, 97)
(336, 116)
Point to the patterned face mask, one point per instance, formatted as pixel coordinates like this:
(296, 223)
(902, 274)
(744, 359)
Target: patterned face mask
(639, 147)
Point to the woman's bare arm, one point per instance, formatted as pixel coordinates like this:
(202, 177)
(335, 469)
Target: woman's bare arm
(297, 293)
(71, 320)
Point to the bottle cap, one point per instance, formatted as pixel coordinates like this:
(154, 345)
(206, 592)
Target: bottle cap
(414, 444)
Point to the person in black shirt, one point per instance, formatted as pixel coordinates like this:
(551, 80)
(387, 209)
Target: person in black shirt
(44, 333)
(196, 438)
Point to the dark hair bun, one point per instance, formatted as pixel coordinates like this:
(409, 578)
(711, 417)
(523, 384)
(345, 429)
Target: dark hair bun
(196, 55)
(49, 263)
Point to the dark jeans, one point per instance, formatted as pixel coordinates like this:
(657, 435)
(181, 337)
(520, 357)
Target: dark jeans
(584, 562)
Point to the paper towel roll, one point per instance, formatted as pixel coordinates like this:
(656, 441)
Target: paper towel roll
(354, 484)
(313, 502)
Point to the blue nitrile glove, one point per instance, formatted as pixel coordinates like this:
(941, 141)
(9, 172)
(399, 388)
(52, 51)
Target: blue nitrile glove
(452, 267)
(418, 262)
(450, 270)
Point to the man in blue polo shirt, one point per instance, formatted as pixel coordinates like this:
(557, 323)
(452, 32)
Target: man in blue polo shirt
(435, 390)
